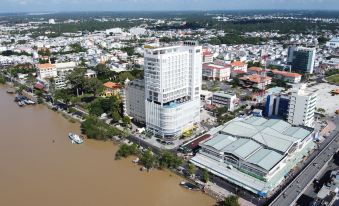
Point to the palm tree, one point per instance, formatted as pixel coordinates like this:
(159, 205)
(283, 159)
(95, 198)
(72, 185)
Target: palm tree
(30, 81)
(51, 85)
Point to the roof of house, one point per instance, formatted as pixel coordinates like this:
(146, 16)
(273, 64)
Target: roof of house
(238, 64)
(223, 94)
(238, 71)
(335, 39)
(112, 85)
(255, 78)
(257, 69)
(286, 74)
(45, 66)
(212, 66)
(205, 53)
(65, 65)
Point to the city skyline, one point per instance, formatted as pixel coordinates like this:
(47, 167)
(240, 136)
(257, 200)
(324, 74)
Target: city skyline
(162, 5)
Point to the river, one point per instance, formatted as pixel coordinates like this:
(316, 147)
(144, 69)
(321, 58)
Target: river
(35, 170)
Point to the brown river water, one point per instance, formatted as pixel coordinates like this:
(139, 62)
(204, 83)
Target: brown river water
(35, 171)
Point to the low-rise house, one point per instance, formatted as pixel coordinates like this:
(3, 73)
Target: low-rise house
(254, 70)
(215, 72)
(206, 95)
(287, 76)
(256, 81)
(46, 71)
(235, 73)
(90, 74)
(238, 65)
(63, 69)
(111, 89)
(334, 42)
(207, 57)
(222, 99)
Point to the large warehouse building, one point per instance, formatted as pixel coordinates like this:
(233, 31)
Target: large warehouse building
(255, 153)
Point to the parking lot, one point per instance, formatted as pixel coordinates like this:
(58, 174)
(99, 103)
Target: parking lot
(325, 99)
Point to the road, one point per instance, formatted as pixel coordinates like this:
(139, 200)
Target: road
(144, 144)
(292, 192)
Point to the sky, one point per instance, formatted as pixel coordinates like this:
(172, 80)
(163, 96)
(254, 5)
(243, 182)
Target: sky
(9, 6)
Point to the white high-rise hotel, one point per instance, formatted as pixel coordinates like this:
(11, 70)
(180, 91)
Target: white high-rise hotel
(172, 88)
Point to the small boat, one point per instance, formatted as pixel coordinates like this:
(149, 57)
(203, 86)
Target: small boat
(28, 101)
(189, 186)
(136, 160)
(10, 91)
(31, 102)
(75, 138)
(20, 103)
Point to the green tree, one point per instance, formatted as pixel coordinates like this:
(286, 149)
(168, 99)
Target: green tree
(322, 40)
(126, 121)
(321, 110)
(77, 79)
(124, 75)
(191, 169)
(109, 106)
(231, 200)
(95, 108)
(235, 82)
(93, 86)
(130, 50)
(127, 150)
(63, 94)
(103, 72)
(44, 52)
(30, 81)
(96, 129)
(254, 64)
(116, 116)
(51, 82)
(169, 160)
(147, 159)
(77, 48)
(205, 175)
(2, 79)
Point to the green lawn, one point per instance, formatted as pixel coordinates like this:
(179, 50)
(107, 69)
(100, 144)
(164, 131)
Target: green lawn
(333, 79)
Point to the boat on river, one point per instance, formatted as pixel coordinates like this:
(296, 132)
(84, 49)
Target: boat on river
(189, 186)
(10, 91)
(21, 104)
(75, 138)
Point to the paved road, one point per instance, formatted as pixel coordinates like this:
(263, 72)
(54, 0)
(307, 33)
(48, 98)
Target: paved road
(292, 192)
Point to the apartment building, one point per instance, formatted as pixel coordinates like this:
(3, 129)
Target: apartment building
(135, 100)
(302, 106)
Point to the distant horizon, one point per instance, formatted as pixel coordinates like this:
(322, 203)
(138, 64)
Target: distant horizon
(60, 6)
(154, 11)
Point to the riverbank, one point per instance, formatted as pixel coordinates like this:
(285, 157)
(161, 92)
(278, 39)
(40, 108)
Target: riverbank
(45, 173)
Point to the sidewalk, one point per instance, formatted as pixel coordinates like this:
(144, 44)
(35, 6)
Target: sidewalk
(220, 193)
